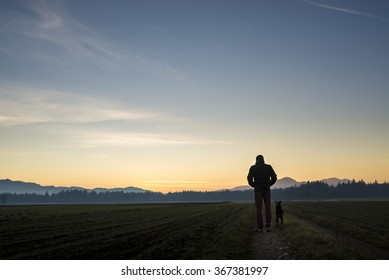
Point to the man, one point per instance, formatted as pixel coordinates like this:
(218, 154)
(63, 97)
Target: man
(261, 177)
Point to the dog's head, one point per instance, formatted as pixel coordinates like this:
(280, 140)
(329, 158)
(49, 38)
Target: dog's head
(278, 203)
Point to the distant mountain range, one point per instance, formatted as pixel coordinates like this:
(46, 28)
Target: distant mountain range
(287, 182)
(19, 187)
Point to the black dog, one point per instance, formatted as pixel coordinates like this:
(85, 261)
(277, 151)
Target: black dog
(279, 213)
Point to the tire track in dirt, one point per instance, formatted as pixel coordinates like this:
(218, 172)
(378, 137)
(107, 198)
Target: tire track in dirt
(359, 246)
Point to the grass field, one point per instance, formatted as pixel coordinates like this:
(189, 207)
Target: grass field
(312, 230)
(338, 229)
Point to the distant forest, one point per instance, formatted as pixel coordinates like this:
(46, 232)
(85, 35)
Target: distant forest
(309, 191)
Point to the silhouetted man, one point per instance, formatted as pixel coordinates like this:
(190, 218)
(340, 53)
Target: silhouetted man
(261, 177)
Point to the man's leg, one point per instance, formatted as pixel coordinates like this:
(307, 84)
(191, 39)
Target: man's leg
(267, 200)
(258, 206)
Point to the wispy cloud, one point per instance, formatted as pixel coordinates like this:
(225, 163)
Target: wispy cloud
(45, 25)
(76, 120)
(50, 33)
(97, 139)
(343, 10)
(21, 106)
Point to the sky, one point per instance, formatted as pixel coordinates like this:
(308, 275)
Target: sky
(178, 95)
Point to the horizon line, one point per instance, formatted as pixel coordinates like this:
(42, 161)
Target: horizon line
(192, 189)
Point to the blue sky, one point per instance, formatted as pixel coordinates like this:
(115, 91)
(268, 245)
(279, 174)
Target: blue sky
(184, 94)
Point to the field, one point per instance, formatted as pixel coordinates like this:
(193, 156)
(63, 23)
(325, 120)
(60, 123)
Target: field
(164, 231)
(311, 230)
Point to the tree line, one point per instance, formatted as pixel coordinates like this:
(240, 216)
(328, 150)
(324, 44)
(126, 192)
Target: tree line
(316, 190)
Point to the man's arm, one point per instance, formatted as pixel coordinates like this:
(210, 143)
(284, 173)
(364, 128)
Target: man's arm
(273, 176)
(250, 178)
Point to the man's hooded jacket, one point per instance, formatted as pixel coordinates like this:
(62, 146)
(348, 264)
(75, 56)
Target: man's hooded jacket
(261, 176)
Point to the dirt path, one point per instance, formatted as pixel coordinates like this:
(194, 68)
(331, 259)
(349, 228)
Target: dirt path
(274, 245)
(271, 246)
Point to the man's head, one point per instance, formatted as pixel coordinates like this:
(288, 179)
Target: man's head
(260, 159)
